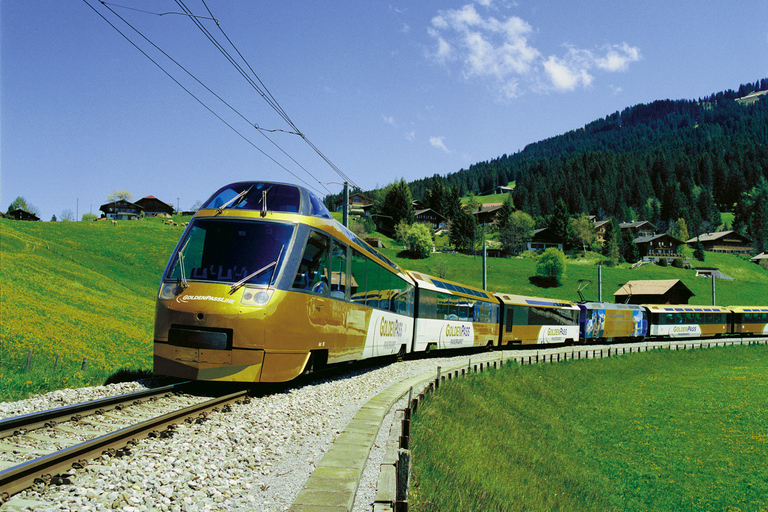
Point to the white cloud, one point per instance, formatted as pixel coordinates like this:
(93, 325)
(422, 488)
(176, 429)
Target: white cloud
(439, 143)
(410, 136)
(389, 120)
(499, 49)
(617, 58)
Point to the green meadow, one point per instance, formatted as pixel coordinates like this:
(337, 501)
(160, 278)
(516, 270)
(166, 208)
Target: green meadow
(77, 290)
(660, 430)
(87, 290)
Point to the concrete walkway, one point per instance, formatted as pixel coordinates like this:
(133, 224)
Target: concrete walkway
(333, 484)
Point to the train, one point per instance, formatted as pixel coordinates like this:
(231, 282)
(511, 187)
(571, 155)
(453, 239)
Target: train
(265, 285)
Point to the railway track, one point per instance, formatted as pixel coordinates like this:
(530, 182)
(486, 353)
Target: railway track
(39, 448)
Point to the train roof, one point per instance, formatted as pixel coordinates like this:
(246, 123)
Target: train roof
(749, 309)
(444, 286)
(608, 305)
(522, 300)
(267, 196)
(684, 308)
(249, 197)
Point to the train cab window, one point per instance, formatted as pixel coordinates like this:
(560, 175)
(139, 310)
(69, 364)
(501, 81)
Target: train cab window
(339, 273)
(229, 251)
(315, 265)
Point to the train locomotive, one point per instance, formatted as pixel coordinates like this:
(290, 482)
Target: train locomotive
(264, 285)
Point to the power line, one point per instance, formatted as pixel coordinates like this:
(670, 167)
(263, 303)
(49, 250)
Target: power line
(268, 97)
(198, 99)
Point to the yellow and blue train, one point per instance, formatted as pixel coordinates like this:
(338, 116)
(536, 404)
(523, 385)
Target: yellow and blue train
(265, 285)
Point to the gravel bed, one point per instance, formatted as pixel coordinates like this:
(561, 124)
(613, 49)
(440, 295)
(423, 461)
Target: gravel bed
(256, 457)
(64, 397)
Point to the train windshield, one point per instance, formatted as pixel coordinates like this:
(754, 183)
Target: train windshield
(257, 196)
(230, 251)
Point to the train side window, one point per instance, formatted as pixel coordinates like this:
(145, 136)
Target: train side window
(428, 304)
(314, 267)
(385, 286)
(339, 273)
(374, 290)
(359, 277)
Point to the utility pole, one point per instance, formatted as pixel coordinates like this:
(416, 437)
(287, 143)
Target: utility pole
(485, 270)
(346, 205)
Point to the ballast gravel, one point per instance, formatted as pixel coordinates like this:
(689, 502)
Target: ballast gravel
(257, 457)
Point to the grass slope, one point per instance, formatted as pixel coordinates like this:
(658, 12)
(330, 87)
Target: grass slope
(512, 275)
(661, 431)
(88, 290)
(77, 289)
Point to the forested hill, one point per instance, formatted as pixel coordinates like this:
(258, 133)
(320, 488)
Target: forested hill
(659, 161)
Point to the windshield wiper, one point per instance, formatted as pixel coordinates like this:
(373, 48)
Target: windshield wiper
(241, 282)
(235, 200)
(180, 257)
(263, 201)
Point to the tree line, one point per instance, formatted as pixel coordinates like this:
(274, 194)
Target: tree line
(661, 162)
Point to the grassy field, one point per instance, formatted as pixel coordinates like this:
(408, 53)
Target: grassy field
(79, 290)
(87, 289)
(512, 275)
(662, 431)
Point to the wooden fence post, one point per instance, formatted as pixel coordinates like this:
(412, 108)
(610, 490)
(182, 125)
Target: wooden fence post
(29, 359)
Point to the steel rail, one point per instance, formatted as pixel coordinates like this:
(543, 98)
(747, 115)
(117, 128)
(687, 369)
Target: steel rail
(35, 420)
(23, 476)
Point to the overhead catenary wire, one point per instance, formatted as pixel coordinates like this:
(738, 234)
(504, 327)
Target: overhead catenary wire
(262, 90)
(259, 87)
(227, 104)
(201, 102)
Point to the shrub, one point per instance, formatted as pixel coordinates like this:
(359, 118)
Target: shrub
(677, 263)
(663, 262)
(418, 239)
(551, 265)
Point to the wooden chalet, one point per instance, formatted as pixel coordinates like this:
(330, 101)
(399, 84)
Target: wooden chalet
(601, 228)
(154, 207)
(760, 257)
(729, 242)
(639, 228)
(543, 239)
(121, 210)
(655, 247)
(431, 218)
(659, 291)
(20, 214)
(487, 213)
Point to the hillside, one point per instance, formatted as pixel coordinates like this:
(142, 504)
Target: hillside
(670, 159)
(87, 289)
(79, 289)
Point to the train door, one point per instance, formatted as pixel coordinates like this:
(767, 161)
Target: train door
(326, 299)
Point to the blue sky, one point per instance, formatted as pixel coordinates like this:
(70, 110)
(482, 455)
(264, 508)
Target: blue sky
(385, 90)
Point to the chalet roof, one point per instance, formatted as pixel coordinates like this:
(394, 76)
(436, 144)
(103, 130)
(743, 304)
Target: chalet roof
(761, 256)
(713, 237)
(650, 238)
(425, 210)
(650, 287)
(488, 208)
(601, 223)
(636, 225)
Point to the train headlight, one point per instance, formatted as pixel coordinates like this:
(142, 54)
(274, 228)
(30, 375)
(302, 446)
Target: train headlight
(169, 291)
(256, 297)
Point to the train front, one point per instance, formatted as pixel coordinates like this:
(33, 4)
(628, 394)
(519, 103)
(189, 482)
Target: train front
(221, 287)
